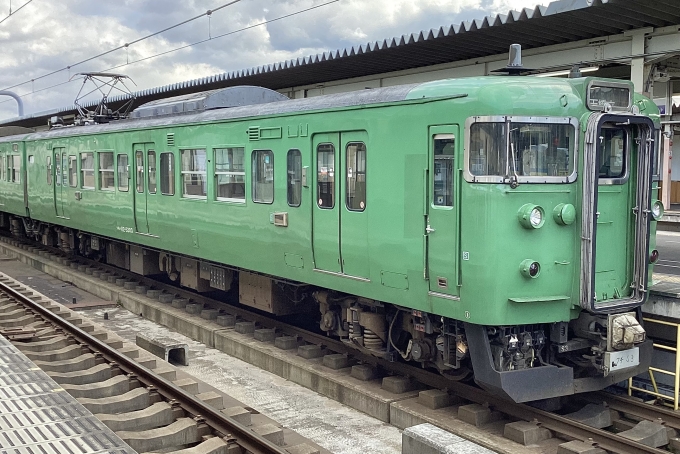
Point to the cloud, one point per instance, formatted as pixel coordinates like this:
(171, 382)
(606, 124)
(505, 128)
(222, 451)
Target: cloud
(47, 36)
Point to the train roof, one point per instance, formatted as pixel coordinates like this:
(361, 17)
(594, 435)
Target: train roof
(497, 90)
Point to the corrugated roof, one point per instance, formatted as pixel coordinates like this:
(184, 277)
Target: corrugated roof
(560, 22)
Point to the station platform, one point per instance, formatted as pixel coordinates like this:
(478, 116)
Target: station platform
(36, 415)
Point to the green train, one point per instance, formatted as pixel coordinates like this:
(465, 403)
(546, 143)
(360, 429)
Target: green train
(500, 226)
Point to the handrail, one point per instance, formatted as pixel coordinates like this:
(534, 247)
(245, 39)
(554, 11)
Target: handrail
(675, 374)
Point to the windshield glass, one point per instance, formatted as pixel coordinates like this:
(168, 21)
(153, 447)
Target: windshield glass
(532, 152)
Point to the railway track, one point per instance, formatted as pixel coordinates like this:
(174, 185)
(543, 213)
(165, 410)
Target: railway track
(148, 411)
(624, 434)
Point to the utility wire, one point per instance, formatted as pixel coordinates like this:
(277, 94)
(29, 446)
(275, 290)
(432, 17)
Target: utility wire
(207, 13)
(182, 47)
(222, 35)
(15, 11)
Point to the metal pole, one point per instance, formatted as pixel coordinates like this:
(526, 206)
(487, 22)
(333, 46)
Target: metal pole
(677, 368)
(20, 103)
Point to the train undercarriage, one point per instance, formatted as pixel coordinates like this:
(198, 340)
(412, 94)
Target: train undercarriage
(522, 362)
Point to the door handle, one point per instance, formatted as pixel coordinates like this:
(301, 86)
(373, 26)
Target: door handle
(429, 229)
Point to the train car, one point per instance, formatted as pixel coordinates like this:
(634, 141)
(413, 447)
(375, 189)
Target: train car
(501, 226)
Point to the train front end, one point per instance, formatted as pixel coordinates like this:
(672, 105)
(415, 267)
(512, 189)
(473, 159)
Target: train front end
(572, 269)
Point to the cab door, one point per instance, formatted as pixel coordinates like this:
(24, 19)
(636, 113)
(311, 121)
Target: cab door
(326, 210)
(441, 217)
(144, 157)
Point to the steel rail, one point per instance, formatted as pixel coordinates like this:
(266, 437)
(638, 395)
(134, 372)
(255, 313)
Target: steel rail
(562, 425)
(228, 427)
(636, 408)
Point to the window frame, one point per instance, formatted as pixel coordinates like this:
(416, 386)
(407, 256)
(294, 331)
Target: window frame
(81, 172)
(101, 171)
(194, 172)
(288, 177)
(118, 175)
(217, 173)
(172, 174)
(254, 177)
(317, 181)
(566, 179)
(356, 173)
(150, 153)
(627, 149)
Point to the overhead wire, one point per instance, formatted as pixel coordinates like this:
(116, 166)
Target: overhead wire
(15, 11)
(184, 47)
(123, 46)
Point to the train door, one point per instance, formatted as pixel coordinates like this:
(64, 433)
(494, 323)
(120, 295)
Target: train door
(60, 181)
(144, 157)
(352, 201)
(326, 213)
(615, 216)
(617, 182)
(441, 217)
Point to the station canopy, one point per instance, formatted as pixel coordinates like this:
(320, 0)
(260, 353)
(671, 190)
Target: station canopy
(560, 22)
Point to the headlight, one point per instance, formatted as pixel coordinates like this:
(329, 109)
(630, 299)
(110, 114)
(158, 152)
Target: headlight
(530, 268)
(657, 210)
(531, 216)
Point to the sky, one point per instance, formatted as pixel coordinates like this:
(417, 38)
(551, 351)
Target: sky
(45, 37)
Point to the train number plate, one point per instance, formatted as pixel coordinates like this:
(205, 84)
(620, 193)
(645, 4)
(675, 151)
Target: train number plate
(624, 359)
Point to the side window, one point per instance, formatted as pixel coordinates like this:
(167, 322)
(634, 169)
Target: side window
(167, 174)
(230, 174)
(88, 178)
(442, 191)
(123, 173)
(325, 175)
(356, 176)
(3, 167)
(194, 173)
(152, 172)
(86, 171)
(263, 176)
(106, 179)
(48, 166)
(16, 169)
(294, 178)
(139, 162)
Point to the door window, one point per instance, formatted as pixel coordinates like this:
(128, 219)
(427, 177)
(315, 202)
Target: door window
(152, 172)
(139, 162)
(294, 189)
(325, 179)
(356, 176)
(444, 147)
(613, 154)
